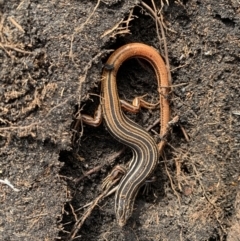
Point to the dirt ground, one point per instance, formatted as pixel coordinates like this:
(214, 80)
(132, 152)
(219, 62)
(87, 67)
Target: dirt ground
(51, 58)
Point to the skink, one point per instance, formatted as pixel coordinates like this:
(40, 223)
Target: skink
(145, 150)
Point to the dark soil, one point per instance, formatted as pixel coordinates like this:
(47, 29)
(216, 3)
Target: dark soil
(51, 58)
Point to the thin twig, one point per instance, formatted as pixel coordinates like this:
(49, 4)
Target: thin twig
(87, 213)
(154, 16)
(90, 203)
(184, 133)
(5, 181)
(15, 49)
(110, 159)
(153, 125)
(171, 183)
(236, 112)
(16, 24)
(80, 28)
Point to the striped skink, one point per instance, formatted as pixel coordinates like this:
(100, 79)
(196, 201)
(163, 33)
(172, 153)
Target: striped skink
(144, 148)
